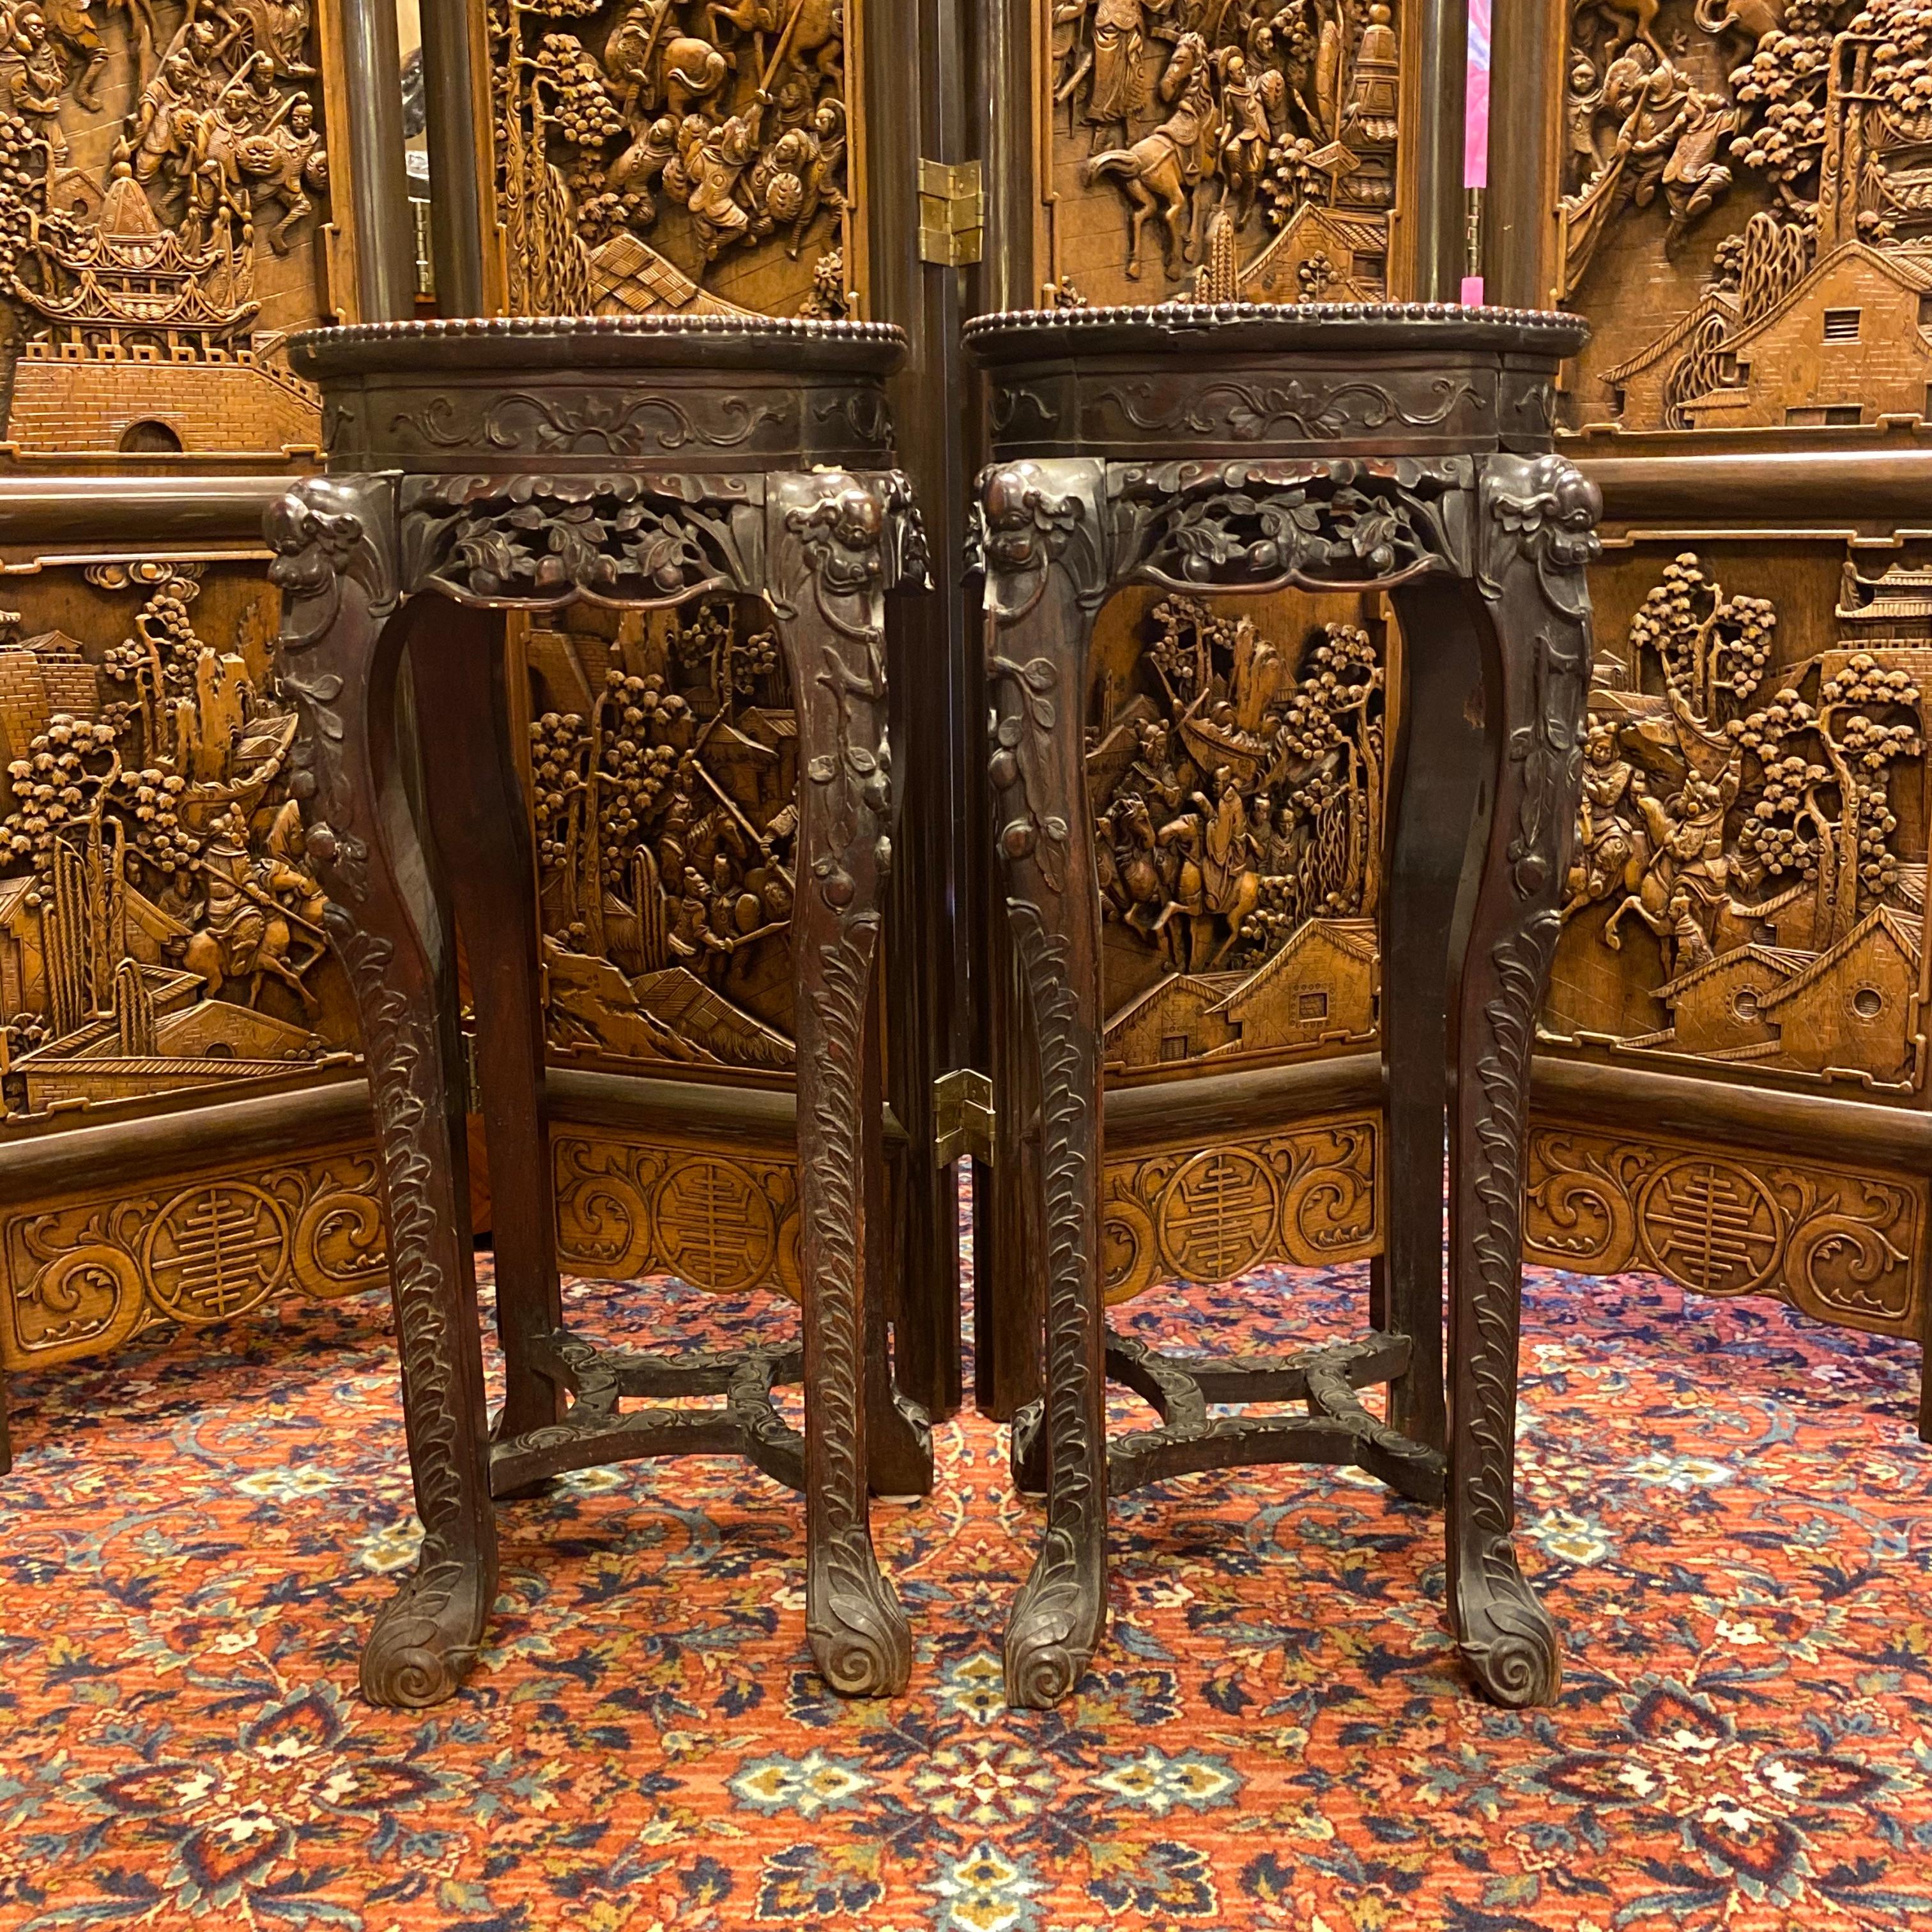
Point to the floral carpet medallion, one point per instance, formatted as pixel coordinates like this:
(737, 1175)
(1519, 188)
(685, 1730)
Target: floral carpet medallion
(1725, 1506)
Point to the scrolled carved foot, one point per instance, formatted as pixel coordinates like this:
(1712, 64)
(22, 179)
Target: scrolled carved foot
(860, 1638)
(1507, 1638)
(1028, 1454)
(425, 1638)
(1058, 1620)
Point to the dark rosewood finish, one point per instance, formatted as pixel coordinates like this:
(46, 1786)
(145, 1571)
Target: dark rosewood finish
(478, 467)
(1231, 449)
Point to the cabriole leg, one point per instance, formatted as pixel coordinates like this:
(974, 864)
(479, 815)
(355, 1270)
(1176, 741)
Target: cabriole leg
(834, 543)
(1436, 773)
(338, 658)
(477, 809)
(1531, 612)
(1045, 581)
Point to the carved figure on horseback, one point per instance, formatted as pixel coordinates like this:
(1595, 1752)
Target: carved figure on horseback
(1162, 172)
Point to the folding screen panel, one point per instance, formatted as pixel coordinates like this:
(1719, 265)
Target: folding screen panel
(1737, 1090)
(185, 1134)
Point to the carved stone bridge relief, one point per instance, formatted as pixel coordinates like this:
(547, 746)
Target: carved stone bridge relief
(1748, 217)
(1240, 148)
(697, 156)
(162, 180)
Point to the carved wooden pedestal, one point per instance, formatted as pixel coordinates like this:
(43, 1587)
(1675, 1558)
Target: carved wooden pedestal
(1232, 449)
(476, 467)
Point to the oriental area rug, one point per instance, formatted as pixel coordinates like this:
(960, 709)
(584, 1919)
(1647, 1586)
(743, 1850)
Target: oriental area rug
(1725, 1506)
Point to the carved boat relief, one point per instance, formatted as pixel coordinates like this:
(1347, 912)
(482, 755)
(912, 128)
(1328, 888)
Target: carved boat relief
(1243, 149)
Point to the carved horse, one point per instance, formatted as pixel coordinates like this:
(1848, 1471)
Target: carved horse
(1631, 20)
(1161, 171)
(1753, 18)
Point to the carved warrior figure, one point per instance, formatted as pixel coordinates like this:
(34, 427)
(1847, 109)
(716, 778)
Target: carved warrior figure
(1253, 110)
(1234, 799)
(700, 129)
(33, 75)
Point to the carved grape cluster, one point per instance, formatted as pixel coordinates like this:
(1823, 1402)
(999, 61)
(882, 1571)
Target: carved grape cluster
(24, 217)
(638, 763)
(556, 754)
(586, 116)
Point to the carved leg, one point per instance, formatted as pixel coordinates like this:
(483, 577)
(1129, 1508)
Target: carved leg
(1435, 773)
(338, 658)
(898, 1441)
(1009, 1269)
(833, 540)
(1044, 580)
(477, 810)
(6, 1434)
(1924, 1393)
(926, 976)
(1536, 533)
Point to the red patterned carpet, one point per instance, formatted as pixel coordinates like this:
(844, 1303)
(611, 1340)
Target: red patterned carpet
(1726, 1510)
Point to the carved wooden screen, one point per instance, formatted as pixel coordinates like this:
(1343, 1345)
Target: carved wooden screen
(1738, 1096)
(1244, 152)
(185, 1134)
(699, 157)
(1257, 144)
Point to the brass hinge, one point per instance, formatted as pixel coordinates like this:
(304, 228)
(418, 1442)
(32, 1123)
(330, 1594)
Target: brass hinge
(952, 213)
(962, 1117)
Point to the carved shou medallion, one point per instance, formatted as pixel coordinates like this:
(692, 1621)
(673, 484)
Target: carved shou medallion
(1239, 149)
(629, 1208)
(163, 181)
(663, 751)
(82, 1277)
(690, 155)
(1235, 774)
(1311, 1199)
(1747, 220)
(1843, 1246)
(160, 926)
(1748, 891)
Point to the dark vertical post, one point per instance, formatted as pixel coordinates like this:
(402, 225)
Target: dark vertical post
(925, 999)
(456, 190)
(1008, 1307)
(1525, 41)
(1438, 247)
(372, 63)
